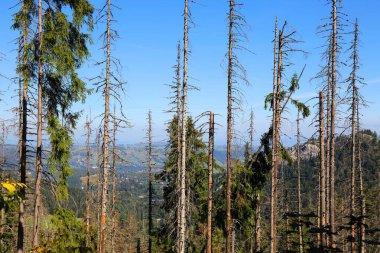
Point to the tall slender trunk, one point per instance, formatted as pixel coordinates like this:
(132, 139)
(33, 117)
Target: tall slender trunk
(210, 174)
(327, 146)
(22, 168)
(362, 244)
(276, 78)
(113, 198)
(354, 104)
(300, 236)
(353, 167)
(37, 191)
(105, 130)
(229, 123)
(255, 236)
(322, 171)
(178, 114)
(2, 210)
(332, 118)
(150, 179)
(98, 191)
(88, 158)
(182, 232)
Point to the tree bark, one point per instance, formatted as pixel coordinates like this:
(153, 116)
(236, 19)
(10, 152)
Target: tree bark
(275, 126)
(332, 128)
(2, 210)
(362, 244)
(88, 183)
(327, 146)
(182, 233)
(229, 124)
(150, 186)
(210, 174)
(178, 114)
(105, 130)
(300, 236)
(354, 154)
(113, 199)
(322, 171)
(22, 168)
(37, 191)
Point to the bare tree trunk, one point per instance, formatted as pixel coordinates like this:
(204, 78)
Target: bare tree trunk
(24, 94)
(105, 130)
(332, 118)
(229, 125)
(258, 224)
(2, 210)
(182, 233)
(322, 171)
(178, 98)
(98, 191)
(300, 236)
(233, 236)
(275, 126)
(88, 158)
(362, 244)
(327, 146)
(113, 199)
(354, 106)
(37, 191)
(353, 167)
(150, 167)
(210, 174)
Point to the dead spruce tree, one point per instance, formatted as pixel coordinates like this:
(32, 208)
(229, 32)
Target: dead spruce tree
(210, 183)
(22, 22)
(235, 74)
(115, 158)
(334, 29)
(355, 100)
(88, 167)
(278, 101)
(173, 221)
(149, 149)
(37, 193)
(299, 196)
(182, 200)
(110, 85)
(273, 227)
(178, 109)
(333, 52)
(322, 173)
(362, 220)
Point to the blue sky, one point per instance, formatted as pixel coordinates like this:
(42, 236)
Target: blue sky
(149, 31)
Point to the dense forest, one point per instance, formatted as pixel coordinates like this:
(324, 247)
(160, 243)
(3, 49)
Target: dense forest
(186, 194)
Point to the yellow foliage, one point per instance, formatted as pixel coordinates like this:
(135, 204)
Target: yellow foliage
(12, 187)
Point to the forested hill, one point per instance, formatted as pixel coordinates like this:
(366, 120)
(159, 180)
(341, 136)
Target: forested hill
(134, 156)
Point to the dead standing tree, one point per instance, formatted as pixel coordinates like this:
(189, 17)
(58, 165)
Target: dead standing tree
(235, 73)
(37, 192)
(278, 101)
(22, 21)
(210, 183)
(273, 227)
(88, 167)
(299, 196)
(181, 247)
(149, 149)
(110, 86)
(355, 100)
(322, 173)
